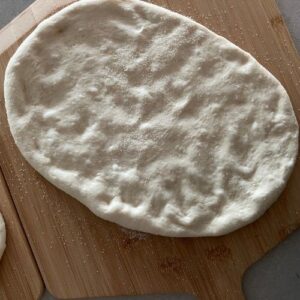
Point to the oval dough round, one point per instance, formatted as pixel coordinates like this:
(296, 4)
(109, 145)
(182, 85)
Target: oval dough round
(150, 119)
(2, 235)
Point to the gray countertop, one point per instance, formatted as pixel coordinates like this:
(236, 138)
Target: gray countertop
(277, 275)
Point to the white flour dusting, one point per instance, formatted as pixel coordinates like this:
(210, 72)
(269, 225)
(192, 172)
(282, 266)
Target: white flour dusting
(135, 235)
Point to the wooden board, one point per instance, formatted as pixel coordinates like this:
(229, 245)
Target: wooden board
(19, 276)
(81, 255)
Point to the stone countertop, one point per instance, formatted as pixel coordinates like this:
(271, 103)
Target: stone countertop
(277, 275)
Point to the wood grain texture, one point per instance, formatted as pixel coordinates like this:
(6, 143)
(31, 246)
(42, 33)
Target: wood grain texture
(19, 276)
(80, 255)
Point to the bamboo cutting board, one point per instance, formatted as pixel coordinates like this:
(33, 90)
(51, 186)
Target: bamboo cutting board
(80, 255)
(19, 276)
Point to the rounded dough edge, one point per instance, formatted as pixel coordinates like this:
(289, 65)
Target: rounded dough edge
(118, 218)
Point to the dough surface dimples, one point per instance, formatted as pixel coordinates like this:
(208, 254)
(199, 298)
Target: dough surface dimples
(150, 119)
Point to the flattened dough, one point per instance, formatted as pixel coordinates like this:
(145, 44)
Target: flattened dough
(149, 119)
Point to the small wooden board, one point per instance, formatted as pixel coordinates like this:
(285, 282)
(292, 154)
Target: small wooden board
(19, 275)
(80, 255)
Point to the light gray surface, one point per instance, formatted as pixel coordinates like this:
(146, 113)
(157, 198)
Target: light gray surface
(10, 8)
(276, 276)
(290, 10)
